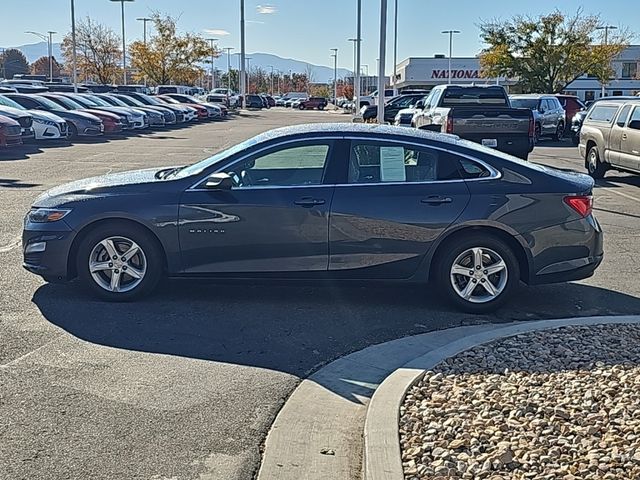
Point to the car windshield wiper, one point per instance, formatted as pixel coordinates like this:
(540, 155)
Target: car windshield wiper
(166, 173)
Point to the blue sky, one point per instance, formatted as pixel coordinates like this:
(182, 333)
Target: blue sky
(307, 29)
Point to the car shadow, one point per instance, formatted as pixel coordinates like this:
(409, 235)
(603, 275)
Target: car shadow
(11, 183)
(293, 328)
(20, 152)
(614, 182)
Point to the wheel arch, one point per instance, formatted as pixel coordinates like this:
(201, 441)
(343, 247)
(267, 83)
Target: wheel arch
(87, 228)
(510, 238)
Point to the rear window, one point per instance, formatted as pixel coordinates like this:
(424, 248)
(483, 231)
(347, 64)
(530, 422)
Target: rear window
(473, 96)
(530, 103)
(603, 113)
(162, 90)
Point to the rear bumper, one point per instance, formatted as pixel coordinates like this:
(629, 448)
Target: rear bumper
(512, 144)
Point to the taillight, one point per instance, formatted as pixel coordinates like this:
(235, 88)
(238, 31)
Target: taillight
(449, 127)
(583, 204)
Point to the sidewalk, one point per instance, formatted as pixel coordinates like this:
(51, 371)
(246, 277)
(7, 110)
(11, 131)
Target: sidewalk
(345, 417)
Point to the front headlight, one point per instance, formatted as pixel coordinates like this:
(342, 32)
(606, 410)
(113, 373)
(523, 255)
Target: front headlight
(46, 215)
(44, 122)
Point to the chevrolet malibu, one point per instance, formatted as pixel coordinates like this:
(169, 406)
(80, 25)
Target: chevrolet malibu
(337, 201)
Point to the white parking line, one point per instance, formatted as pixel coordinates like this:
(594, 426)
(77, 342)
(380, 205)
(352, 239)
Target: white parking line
(14, 244)
(625, 195)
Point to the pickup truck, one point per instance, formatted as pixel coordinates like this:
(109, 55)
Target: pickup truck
(480, 113)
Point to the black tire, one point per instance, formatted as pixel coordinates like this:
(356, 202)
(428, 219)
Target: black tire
(301, 107)
(321, 107)
(490, 245)
(595, 167)
(559, 135)
(152, 256)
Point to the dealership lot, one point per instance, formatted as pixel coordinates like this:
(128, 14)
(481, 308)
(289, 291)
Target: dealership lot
(185, 384)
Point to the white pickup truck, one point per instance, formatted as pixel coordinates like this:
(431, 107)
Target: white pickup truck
(366, 100)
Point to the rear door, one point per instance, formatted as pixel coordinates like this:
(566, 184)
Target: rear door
(393, 203)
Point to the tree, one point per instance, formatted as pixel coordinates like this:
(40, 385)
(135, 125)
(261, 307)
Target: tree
(98, 51)
(41, 67)
(13, 62)
(169, 57)
(547, 53)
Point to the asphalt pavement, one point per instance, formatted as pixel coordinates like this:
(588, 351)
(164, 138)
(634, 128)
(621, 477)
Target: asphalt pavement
(185, 384)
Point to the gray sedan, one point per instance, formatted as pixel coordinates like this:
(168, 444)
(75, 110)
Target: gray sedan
(328, 201)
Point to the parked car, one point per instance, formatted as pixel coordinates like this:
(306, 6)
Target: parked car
(404, 117)
(213, 110)
(46, 125)
(192, 112)
(79, 123)
(170, 117)
(65, 88)
(610, 137)
(225, 96)
(111, 123)
(7, 89)
(571, 105)
(133, 88)
(412, 206)
(578, 118)
(154, 117)
(24, 119)
(10, 132)
(125, 118)
(254, 101)
(136, 119)
(373, 98)
(280, 102)
(184, 89)
(296, 102)
(392, 107)
(480, 113)
(319, 103)
(548, 114)
(183, 114)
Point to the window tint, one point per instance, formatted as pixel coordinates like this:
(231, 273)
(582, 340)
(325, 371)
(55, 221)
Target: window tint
(383, 163)
(473, 95)
(636, 114)
(530, 103)
(624, 114)
(603, 113)
(471, 169)
(288, 166)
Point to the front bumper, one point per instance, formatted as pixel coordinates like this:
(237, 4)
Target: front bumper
(92, 130)
(52, 242)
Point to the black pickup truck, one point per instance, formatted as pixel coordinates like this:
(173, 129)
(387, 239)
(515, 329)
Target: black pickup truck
(480, 113)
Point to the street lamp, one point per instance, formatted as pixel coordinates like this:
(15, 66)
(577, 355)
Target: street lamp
(395, 46)
(144, 21)
(356, 87)
(335, 74)
(450, 33)
(248, 86)
(242, 56)
(354, 40)
(213, 52)
(124, 43)
(73, 45)
(606, 29)
(381, 64)
(50, 49)
(228, 49)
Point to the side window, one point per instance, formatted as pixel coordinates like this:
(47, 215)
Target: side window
(623, 116)
(373, 162)
(635, 116)
(288, 166)
(470, 169)
(603, 113)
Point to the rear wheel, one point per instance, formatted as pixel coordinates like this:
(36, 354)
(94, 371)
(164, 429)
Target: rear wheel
(596, 168)
(537, 133)
(478, 273)
(119, 262)
(301, 107)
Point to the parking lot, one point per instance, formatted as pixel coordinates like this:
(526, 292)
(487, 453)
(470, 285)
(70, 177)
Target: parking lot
(186, 383)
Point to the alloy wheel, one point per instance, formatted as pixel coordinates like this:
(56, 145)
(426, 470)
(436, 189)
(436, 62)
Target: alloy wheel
(479, 275)
(117, 264)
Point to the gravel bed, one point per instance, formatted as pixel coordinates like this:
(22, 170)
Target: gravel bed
(559, 404)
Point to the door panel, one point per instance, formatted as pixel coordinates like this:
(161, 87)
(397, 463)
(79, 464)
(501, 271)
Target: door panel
(630, 143)
(255, 230)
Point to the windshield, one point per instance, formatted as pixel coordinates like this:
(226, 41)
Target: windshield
(87, 102)
(130, 101)
(197, 168)
(114, 101)
(530, 103)
(7, 102)
(454, 96)
(150, 100)
(67, 102)
(168, 100)
(98, 101)
(48, 103)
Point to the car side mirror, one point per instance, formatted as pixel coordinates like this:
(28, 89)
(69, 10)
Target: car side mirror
(219, 181)
(420, 105)
(634, 124)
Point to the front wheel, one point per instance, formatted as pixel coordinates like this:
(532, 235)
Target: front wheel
(559, 135)
(119, 262)
(478, 273)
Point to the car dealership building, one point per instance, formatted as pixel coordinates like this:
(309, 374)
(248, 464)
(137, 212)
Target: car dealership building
(421, 72)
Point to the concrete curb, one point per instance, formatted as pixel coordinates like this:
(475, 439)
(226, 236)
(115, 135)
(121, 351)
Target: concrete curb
(382, 457)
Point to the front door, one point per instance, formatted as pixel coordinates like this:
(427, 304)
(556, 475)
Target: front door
(395, 202)
(630, 145)
(618, 133)
(274, 219)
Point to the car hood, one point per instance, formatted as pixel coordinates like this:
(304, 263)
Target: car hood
(139, 181)
(99, 112)
(6, 121)
(52, 117)
(76, 115)
(13, 112)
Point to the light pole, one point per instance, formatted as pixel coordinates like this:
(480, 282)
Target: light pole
(271, 66)
(382, 58)
(356, 88)
(335, 74)
(144, 21)
(395, 47)
(228, 49)
(213, 52)
(73, 47)
(242, 56)
(606, 29)
(354, 40)
(49, 49)
(450, 33)
(124, 42)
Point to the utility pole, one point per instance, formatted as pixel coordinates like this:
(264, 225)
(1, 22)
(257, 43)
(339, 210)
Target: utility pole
(213, 52)
(356, 88)
(144, 21)
(395, 47)
(242, 57)
(450, 32)
(382, 58)
(335, 75)
(248, 85)
(73, 42)
(606, 29)
(228, 49)
(49, 41)
(124, 42)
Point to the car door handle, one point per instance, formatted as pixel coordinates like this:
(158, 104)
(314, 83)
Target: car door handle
(309, 202)
(624, 136)
(436, 200)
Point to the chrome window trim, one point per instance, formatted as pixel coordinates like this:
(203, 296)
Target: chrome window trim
(494, 173)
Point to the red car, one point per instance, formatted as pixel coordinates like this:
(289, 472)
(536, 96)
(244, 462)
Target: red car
(10, 132)
(314, 102)
(571, 105)
(111, 122)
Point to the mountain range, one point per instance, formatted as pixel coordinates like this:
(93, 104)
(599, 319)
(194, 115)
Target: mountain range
(264, 61)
